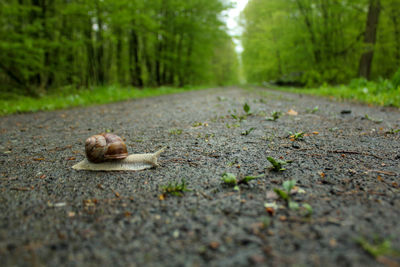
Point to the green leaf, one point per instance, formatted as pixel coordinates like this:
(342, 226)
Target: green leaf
(277, 164)
(246, 108)
(247, 179)
(281, 193)
(229, 178)
(293, 205)
(247, 132)
(288, 185)
(308, 209)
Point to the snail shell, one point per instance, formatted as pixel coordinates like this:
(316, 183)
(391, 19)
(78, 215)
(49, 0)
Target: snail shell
(104, 147)
(107, 152)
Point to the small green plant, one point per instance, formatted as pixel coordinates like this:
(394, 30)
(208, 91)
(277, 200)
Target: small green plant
(274, 116)
(293, 205)
(175, 188)
(378, 248)
(246, 109)
(277, 164)
(197, 124)
(175, 131)
(239, 118)
(287, 186)
(296, 136)
(231, 180)
(307, 209)
(312, 110)
(234, 125)
(372, 119)
(393, 131)
(247, 132)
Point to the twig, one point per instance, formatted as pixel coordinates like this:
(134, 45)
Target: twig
(384, 172)
(205, 195)
(21, 188)
(354, 152)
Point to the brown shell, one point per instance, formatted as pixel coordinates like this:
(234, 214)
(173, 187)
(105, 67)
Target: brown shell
(104, 147)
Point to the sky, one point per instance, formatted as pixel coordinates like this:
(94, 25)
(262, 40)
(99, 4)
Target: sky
(232, 21)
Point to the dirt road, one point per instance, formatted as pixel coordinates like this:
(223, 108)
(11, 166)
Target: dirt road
(344, 208)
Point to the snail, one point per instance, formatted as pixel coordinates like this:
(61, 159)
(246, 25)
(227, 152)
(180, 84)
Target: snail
(108, 152)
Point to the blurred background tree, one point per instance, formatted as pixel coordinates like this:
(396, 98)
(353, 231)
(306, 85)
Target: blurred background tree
(49, 44)
(310, 42)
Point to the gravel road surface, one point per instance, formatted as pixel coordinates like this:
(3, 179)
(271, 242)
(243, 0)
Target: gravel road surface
(343, 211)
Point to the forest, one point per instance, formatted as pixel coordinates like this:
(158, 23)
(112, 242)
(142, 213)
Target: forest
(310, 42)
(70, 47)
(47, 45)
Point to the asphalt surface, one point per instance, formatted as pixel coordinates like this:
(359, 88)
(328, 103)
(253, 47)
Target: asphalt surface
(346, 167)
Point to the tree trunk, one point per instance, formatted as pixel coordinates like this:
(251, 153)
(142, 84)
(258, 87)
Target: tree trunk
(309, 26)
(371, 28)
(100, 47)
(90, 77)
(135, 67)
(120, 74)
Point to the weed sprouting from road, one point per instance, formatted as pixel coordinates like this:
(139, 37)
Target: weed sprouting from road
(393, 131)
(285, 195)
(296, 136)
(175, 188)
(231, 180)
(175, 131)
(378, 248)
(247, 132)
(246, 108)
(367, 117)
(274, 116)
(277, 164)
(313, 110)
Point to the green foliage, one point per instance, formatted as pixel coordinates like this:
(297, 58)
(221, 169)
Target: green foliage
(229, 179)
(89, 43)
(247, 132)
(274, 116)
(287, 186)
(246, 109)
(285, 194)
(175, 188)
(297, 136)
(396, 79)
(175, 131)
(309, 43)
(277, 164)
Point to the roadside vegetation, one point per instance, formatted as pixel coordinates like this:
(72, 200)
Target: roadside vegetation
(382, 93)
(72, 98)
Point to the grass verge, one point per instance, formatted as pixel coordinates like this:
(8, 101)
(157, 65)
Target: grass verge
(10, 103)
(372, 93)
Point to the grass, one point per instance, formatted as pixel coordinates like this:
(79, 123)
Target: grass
(375, 93)
(10, 103)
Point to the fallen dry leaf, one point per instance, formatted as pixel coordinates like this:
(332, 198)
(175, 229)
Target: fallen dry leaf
(214, 245)
(292, 112)
(271, 211)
